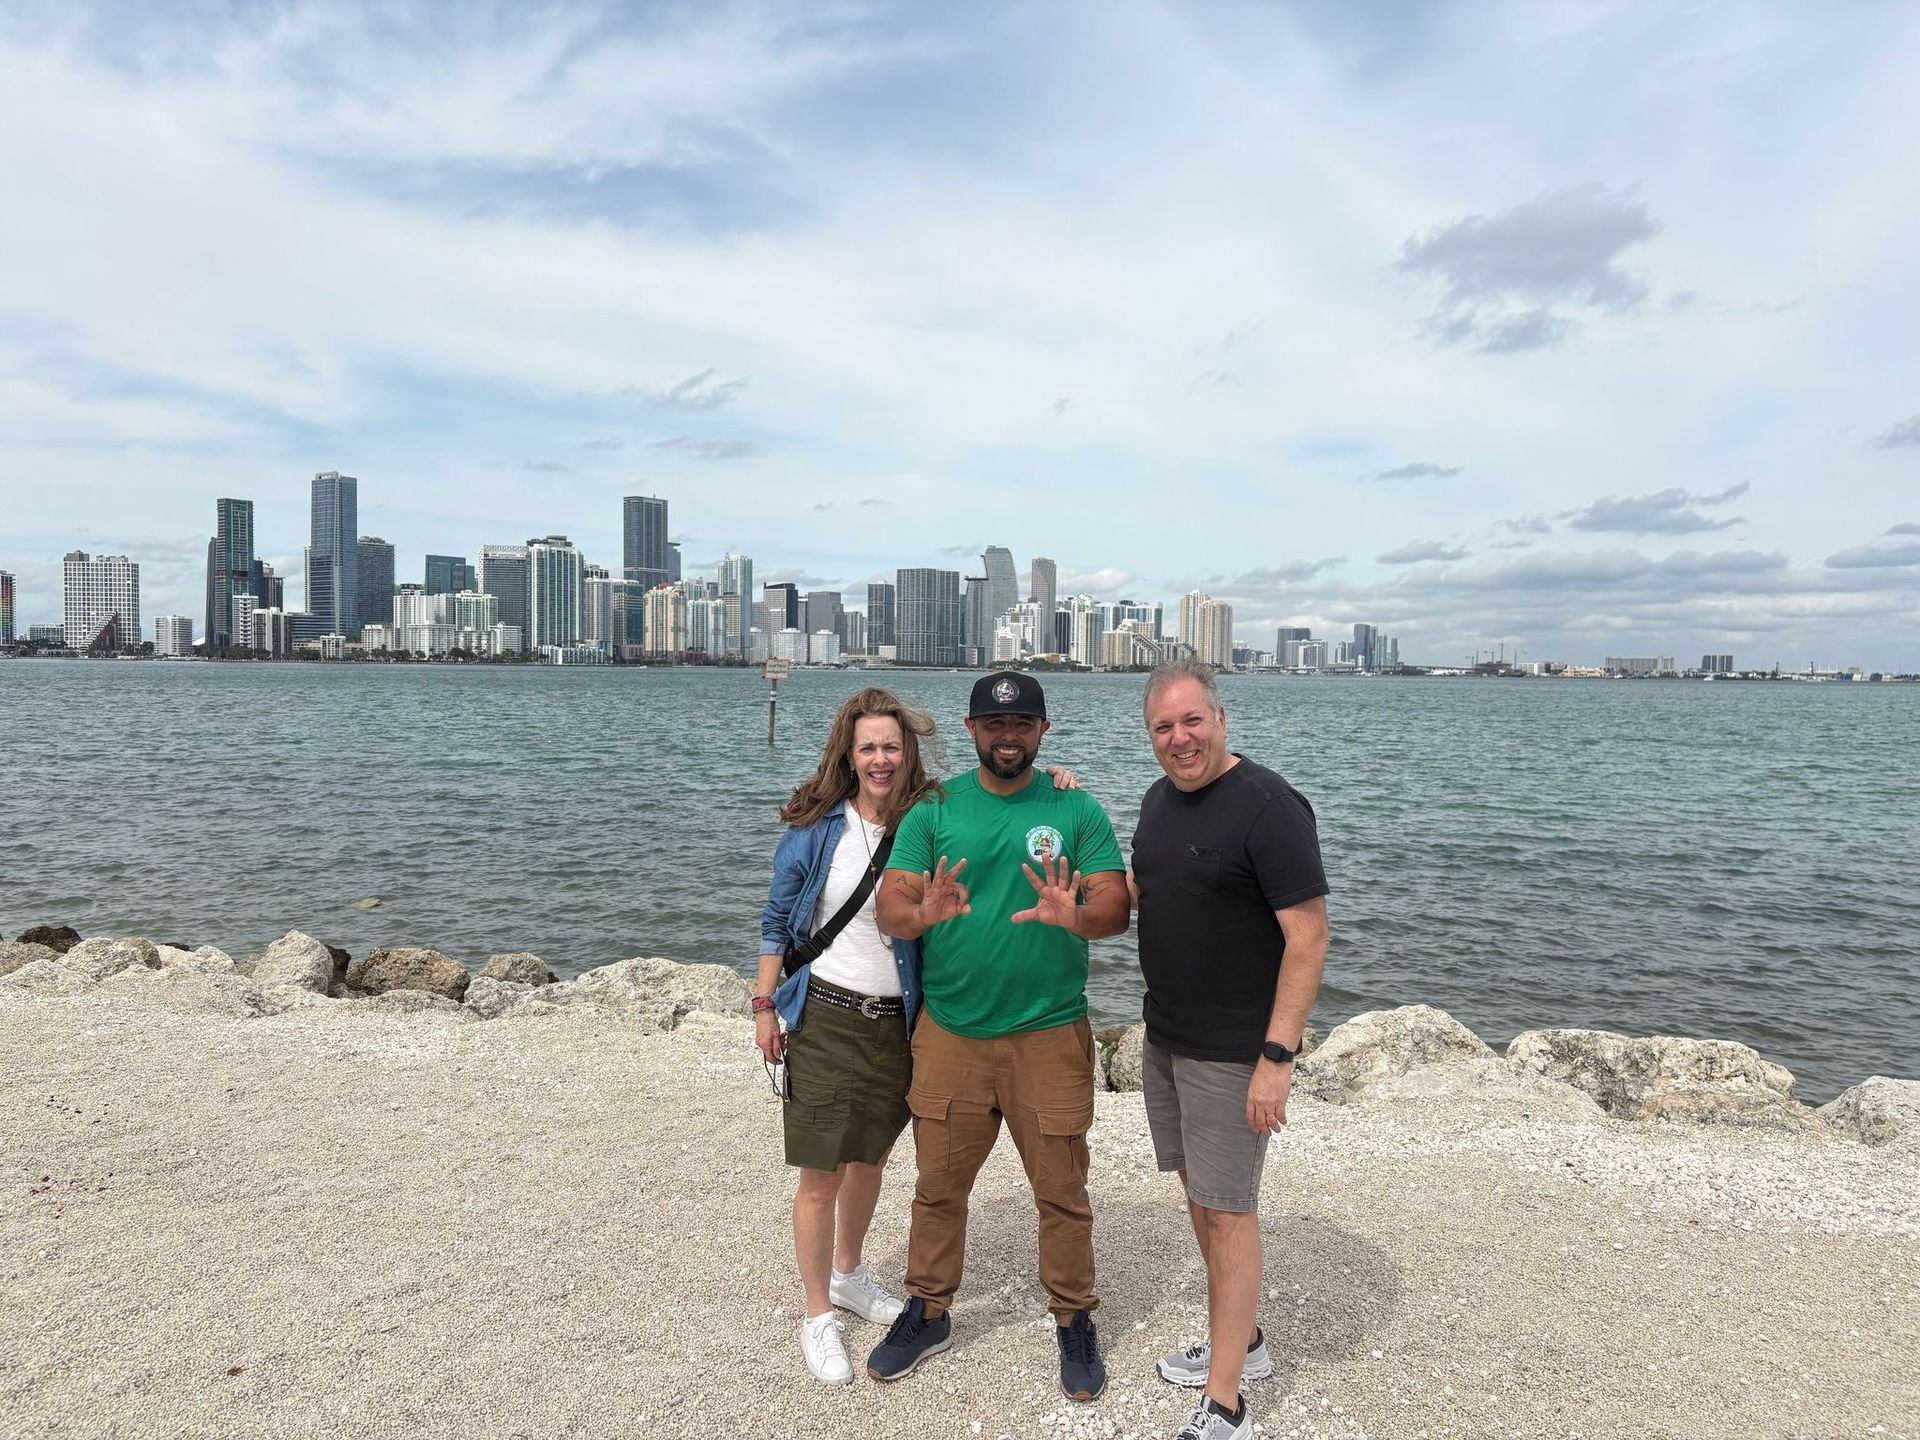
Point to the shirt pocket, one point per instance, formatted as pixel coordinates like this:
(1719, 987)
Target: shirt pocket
(1198, 869)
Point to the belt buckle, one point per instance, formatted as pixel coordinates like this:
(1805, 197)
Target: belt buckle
(869, 1006)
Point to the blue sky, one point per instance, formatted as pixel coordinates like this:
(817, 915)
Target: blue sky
(1585, 329)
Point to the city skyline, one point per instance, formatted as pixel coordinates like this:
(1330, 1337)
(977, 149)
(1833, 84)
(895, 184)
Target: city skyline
(1579, 331)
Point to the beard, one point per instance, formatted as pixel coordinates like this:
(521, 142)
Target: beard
(1004, 769)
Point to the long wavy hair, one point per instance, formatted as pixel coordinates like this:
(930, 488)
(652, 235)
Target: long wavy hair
(833, 779)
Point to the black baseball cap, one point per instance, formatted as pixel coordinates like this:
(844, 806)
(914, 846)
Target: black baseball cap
(1007, 692)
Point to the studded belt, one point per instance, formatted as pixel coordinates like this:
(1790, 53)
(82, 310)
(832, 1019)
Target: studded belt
(874, 1007)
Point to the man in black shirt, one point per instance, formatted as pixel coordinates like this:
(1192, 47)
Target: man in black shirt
(1233, 935)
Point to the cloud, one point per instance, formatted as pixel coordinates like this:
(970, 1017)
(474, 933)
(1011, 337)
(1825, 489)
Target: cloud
(1060, 405)
(1526, 525)
(604, 442)
(1507, 279)
(1666, 512)
(1417, 550)
(1904, 528)
(1111, 581)
(545, 466)
(709, 449)
(1216, 380)
(1877, 556)
(1899, 437)
(794, 575)
(696, 392)
(1271, 577)
(874, 500)
(1415, 470)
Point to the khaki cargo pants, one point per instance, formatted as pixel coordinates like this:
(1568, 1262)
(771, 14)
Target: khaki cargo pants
(1040, 1083)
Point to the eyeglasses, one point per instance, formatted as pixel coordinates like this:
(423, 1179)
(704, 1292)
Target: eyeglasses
(776, 1073)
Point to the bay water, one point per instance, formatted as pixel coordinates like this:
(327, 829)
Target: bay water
(1727, 860)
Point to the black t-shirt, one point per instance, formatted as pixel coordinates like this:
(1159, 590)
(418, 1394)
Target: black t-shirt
(1212, 866)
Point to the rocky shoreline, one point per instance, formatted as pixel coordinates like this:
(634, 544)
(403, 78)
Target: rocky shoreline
(303, 1194)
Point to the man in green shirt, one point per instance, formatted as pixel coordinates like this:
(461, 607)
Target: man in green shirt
(1004, 879)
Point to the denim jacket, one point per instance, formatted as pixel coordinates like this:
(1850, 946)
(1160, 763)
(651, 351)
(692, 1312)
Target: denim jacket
(800, 864)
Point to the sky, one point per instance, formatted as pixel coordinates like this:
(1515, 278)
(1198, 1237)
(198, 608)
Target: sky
(1577, 329)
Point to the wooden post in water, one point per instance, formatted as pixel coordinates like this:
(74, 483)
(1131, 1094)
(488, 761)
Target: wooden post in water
(775, 671)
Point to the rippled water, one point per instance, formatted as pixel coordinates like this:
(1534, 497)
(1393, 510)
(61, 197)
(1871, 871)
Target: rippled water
(1726, 860)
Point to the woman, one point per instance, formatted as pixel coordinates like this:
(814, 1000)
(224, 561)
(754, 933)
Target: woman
(849, 1013)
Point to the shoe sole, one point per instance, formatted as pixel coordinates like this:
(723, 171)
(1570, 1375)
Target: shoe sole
(1199, 1382)
(1081, 1396)
(924, 1355)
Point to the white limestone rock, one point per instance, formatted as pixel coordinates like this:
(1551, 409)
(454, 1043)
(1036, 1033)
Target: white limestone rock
(1126, 1070)
(519, 968)
(1488, 1084)
(296, 959)
(46, 977)
(1879, 1111)
(1665, 1077)
(1369, 1048)
(490, 998)
(643, 981)
(15, 954)
(410, 968)
(96, 959)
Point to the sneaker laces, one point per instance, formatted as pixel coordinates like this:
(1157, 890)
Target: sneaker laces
(1197, 1352)
(862, 1279)
(1077, 1341)
(907, 1325)
(1197, 1425)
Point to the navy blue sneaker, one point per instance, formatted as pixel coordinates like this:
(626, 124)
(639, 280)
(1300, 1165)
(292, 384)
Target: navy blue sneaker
(1082, 1376)
(912, 1338)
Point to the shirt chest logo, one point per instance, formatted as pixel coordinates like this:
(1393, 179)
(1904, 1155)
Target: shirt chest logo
(1044, 843)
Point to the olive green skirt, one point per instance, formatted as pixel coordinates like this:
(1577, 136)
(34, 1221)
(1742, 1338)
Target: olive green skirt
(847, 1079)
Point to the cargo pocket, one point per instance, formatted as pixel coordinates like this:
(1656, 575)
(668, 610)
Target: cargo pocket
(932, 1136)
(1062, 1147)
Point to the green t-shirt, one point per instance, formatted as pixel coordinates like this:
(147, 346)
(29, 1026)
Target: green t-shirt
(984, 975)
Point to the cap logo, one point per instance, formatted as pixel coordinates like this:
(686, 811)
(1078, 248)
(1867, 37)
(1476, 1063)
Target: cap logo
(1005, 692)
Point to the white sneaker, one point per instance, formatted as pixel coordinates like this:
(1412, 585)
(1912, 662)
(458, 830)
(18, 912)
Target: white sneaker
(1189, 1367)
(826, 1353)
(1210, 1422)
(865, 1296)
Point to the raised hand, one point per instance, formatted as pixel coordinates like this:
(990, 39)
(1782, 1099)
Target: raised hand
(1056, 891)
(944, 896)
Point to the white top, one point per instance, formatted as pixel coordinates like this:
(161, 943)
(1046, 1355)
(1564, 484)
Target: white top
(860, 959)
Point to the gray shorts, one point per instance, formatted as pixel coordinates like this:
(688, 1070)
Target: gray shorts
(1197, 1114)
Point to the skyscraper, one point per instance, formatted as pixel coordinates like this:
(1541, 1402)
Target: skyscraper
(823, 612)
(1046, 580)
(927, 617)
(976, 623)
(503, 575)
(1003, 586)
(554, 578)
(1365, 646)
(230, 569)
(449, 575)
(783, 605)
(6, 608)
(172, 635)
(1213, 628)
(373, 604)
(880, 616)
(736, 579)
(103, 602)
(1188, 633)
(644, 554)
(666, 622)
(333, 554)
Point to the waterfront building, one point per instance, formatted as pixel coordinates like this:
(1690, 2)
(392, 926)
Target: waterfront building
(783, 605)
(375, 585)
(1287, 635)
(645, 553)
(230, 569)
(102, 602)
(1003, 587)
(1122, 611)
(1213, 630)
(706, 620)
(172, 635)
(1006, 644)
(1089, 632)
(433, 639)
(673, 562)
(789, 644)
(822, 611)
(853, 633)
(976, 625)
(269, 588)
(756, 646)
(505, 640)
(736, 580)
(271, 632)
(503, 575)
(475, 610)
(412, 606)
(881, 600)
(331, 647)
(449, 575)
(6, 608)
(823, 648)
(1716, 664)
(1188, 618)
(666, 622)
(375, 638)
(240, 629)
(47, 634)
(572, 655)
(333, 553)
(1046, 584)
(554, 574)
(1639, 665)
(1129, 646)
(927, 616)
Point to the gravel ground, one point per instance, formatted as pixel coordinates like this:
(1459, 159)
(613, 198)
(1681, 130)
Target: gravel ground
(364, 1224)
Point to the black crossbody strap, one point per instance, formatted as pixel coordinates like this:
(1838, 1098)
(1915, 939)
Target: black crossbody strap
(812, 948)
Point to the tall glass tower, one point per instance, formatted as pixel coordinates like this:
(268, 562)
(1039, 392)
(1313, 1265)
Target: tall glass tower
(1003, 587)
(644, 535)
(333, 554)
(229, 569)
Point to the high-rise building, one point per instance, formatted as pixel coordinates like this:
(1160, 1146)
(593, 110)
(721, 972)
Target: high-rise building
(1046, 582)
(673, 561)
(1089, 632)
(1287, 633)
(704, 621)
(736, 579)
(172, 634)
(822, 612)
(666, 622)
(615, 618)
(103, 602)
(644, 550)
(6, 608)
(269, 588)
(976, 621)
(927, 617)
(333, 554)
(1189, 613)
(1003, 586)
(853, 633)
(503, 575)
(449, 575)
(230, 568)
(880, 616)
(553, 592)
(241, 629)
(1213, 634)
(1364, 641)
(1716, 664)
(783, 605)
(376, 580)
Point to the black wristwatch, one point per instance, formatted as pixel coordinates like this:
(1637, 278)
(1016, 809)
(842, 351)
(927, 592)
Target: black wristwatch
(1273, 1050)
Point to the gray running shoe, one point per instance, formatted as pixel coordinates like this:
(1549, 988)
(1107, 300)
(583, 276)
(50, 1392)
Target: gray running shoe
(1210, 1422)
(1189, 1367)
